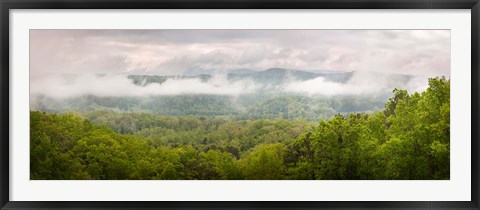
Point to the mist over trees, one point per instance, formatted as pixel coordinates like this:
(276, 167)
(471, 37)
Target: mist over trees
(280, 137)
(270, 94)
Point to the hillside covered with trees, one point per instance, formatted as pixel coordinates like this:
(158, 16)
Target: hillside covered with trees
(409, 139)
(243, 95)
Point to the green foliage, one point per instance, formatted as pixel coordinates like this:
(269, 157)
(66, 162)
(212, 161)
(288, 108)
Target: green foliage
(409, 140)
(290, 107)
(264, 162)
(259, 105)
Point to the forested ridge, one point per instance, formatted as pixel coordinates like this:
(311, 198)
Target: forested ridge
(409, 139)
(268, 94)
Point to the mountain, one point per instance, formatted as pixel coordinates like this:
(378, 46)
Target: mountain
(272, 76)
(277, 76)
(281, 76)
(144, 80)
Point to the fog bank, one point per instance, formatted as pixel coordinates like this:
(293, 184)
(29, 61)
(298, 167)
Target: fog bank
(360, 83)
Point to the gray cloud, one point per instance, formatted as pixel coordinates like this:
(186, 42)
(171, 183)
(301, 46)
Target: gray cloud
(253, 55)
(420, 52)
(315, 55)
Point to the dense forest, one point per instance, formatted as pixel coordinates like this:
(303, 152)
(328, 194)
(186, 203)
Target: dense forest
(409, 139)
(248, 106)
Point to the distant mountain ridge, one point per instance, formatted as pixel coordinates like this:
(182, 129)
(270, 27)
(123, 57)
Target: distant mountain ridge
(144, 80)
(273, 76)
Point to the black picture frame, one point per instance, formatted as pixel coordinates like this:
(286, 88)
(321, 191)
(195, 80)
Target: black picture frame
(7, 5)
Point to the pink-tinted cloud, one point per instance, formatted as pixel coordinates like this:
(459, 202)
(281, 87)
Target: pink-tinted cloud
(420, 52)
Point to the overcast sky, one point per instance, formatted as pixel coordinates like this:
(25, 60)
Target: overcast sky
(175, 52)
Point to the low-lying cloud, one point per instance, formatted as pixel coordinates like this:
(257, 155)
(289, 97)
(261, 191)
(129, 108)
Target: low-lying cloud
(360, 83)
(62, 86)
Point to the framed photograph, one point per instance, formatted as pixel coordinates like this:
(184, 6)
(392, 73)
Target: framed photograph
(239, 104)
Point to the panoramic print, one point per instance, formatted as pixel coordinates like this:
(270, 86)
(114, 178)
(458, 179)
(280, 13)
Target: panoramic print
(239, 104)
